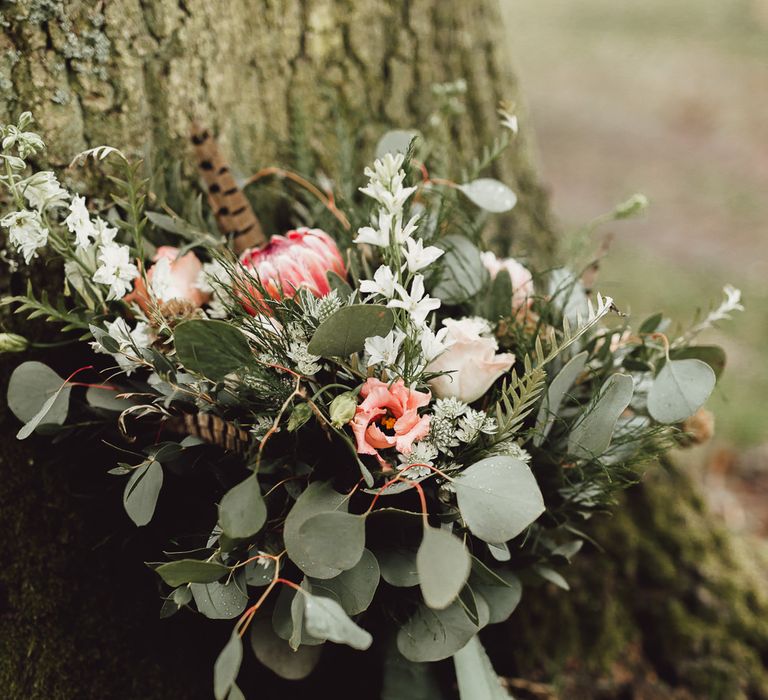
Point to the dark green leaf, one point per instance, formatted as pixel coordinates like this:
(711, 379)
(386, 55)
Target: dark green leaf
(211, 348)
(651, 324)
(335, 539)
(346, 331)
(432, 635)
(141, 492)
(219, 601)
(242, 511)
(500, 302)
(277, 655)
(353, 588)
(175, 573)
(501, 599)
(398, 566)
(227, 667)
(443, 564)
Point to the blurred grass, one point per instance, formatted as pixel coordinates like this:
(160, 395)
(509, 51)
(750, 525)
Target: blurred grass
(669, 98)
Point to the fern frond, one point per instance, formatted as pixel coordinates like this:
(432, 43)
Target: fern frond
(45, 309)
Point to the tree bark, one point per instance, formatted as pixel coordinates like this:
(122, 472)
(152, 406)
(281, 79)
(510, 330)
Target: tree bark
(299, 83)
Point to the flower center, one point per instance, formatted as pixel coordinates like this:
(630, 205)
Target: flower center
(387, 424)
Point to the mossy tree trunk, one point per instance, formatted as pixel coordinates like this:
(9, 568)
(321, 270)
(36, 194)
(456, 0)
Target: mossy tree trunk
(77, 611)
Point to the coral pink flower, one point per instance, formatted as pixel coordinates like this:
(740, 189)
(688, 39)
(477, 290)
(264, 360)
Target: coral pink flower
(388, 417)
(171, 277)
(300, 258)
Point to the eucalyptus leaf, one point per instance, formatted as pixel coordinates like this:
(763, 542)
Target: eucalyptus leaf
(175, 573)
(395, 141)
(325, 619)
(355, 587)
(406, 680)
(242, 511)
(141, 492)
(398, 566)
(552, 576)
(318, 497)
(227, 667)
(713, 355)
(276, 654)
(432, 635)
(592, 433)
(501, 599)
(489, 194)
(211, 348)
(345, 331)
(462, 273)
(443, 564)
(219, 601)
(107, 399)
(235, 693)
(336, 540)
(498, 498)
(475, 675)
(680, 389)
(37, 396)
(556, 392)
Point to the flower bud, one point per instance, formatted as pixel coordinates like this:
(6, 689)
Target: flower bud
(343, 408)
(635, 205)
(10, 342)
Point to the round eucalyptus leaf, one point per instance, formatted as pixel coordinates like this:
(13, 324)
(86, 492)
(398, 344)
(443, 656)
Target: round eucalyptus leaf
(355, 587)
(325, 619)
(277, 655)
(498, 498)
(680, 389)
(501, 599)
(475, 675)
(227, 667)
(432, 635)
(713, 355)
(556, 392)
(33, 397)
(490, 194)
(211, 348)
(398, 566)
(219, 601)
(333, 540)
(443, 564)
(242, 511)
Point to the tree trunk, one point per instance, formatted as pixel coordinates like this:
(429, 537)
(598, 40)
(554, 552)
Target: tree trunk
(299, 82)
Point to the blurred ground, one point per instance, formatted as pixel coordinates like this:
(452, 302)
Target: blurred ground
(668, 98)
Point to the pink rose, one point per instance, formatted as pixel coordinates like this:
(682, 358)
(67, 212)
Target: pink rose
(388, 417)
(170, 277)
(522, 282)
(471, 360)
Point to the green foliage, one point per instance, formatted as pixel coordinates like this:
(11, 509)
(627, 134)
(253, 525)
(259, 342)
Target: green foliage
(141, 492)
(37, 395)
(443, 565)
(433, 635)
(489, 194)
(242, 511)
(461, 271)
(680, 389)
(211, 348)
(475, 675)
(326, 619)
(498, 498)
(219, 601)
(227, 667)
(276, 654)
(346, 331)
(176, 573)
(355, 587)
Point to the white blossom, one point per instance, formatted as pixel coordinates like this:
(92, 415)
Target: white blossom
(423, 452)
(472, 424)
(213, 275)
(129, 342)
(42, 190)
(449, 409)
(416, 302)
(376, 235)
(115, 270)
(164, 283)
(383, 283)
(384, 350)
(79, 222)
(433, 344)
(417, 256)
(306, 363)
(26, 232)
(26, 142)
(103, 232)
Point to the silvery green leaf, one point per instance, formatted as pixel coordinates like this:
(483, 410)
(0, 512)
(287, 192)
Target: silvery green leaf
(490, 194)
(227, 667)
(324, 618)
(432, 635)
(219, 601)
(355, 587)
(501, 599)
(211, 348)
(242, 511)
(106, 399)
(276, 654)
(680, 389)
(398, 566)
(141, 492)
(555, 393)
(462, 273)
(395, 141)
(175, 573)
(591, 435)
(346, 330)
(498, 498)
(406, 680)
(475, 675)
(443, 564)
(37, 396)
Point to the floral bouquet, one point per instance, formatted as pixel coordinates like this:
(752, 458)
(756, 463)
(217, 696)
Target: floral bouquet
(398, 428)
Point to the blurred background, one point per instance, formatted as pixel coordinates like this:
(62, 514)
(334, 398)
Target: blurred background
(668, 98)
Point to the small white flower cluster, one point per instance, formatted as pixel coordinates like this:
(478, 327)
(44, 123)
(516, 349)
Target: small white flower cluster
(454, 423)
(423, 453)
(306, 363)
(398, 281)
(129, 341)
(213, 278)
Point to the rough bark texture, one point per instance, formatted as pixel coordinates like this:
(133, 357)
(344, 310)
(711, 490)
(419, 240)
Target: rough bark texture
(77, 612)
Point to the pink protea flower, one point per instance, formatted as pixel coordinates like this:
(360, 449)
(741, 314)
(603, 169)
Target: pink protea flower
(300, 258)
(388, 417)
